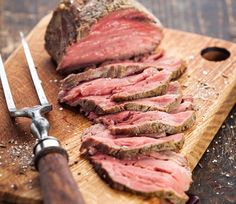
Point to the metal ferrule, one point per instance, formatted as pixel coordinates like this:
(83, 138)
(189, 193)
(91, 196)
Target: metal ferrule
(47, 142)
(46, 146)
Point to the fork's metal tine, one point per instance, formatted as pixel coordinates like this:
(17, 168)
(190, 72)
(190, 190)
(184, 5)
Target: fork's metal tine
(37, 82)
(6, 88)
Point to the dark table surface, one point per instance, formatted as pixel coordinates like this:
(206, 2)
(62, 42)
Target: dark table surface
(215, 176)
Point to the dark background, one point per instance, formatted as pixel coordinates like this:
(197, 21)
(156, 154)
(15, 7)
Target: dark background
(215, 176)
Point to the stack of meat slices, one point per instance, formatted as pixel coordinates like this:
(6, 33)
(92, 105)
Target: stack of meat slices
(126, 86)
(140, 114)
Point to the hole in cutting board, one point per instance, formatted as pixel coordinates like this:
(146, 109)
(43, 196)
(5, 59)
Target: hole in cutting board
(215, 54)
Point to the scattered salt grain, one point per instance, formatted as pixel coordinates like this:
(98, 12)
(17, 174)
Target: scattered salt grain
(60, 108)
(191, 57)
(50, 81)
(232, 116)
(231, 126)
(208, 151)
(227, 175)
(214, 161)
(217, 193)
(55, 80)
(223, 126)
(200, 165)
(13, 186)
(205, 72)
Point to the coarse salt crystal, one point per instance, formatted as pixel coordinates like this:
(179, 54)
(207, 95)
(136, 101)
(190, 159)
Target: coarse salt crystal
(60, 108)
(205, 72)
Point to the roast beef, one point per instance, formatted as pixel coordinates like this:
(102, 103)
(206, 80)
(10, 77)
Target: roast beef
(165, 174)
(166, 102)
(186, 104)
(123, 69)
(132, 122)
(84, 33)
(146, 84)
(99, 139)
(102, 105)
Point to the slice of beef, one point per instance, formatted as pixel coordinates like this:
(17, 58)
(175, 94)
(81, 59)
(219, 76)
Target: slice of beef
(186, 104)
(123, 69)
(146, 84)
(102, 105)
(153, 86)
(165, 175)
(166, 102)
(83, 33)
(130, 122)
(98, 138)
(99, 105)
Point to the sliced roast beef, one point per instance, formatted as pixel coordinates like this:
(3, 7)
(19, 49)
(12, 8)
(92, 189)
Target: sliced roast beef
(102, 105)
(83, 33)
(165, 175)
(131, 122)
(98, 138)
(123, 69)
(166, 102)
(186, 104)
(146, 84)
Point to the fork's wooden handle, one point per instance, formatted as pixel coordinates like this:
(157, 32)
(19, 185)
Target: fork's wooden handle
(57, 183)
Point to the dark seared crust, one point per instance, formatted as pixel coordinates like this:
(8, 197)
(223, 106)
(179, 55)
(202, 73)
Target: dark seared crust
(170, 195)
(61, 30)
(130, 153)
(153, 127)
(90, 106)
(111, 71)
(132, 106)
(176, 74)
(159, 90)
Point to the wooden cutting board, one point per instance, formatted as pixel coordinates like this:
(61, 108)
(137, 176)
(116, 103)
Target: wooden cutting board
(213, 85)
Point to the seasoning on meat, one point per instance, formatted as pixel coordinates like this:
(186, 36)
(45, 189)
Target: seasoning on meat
(99, 139)
(132, 122)
(102, 105)
(165, 174)
(150, 82)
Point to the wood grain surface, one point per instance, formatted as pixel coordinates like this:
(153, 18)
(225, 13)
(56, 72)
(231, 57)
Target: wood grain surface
(214, 177)
(213, 85)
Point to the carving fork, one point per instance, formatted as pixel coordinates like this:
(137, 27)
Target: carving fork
(51, 160)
